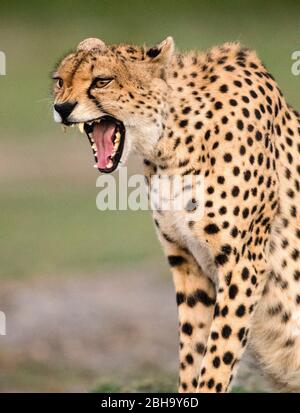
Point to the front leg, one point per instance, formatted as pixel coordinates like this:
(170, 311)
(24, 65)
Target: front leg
(195, 295)
(241, 281)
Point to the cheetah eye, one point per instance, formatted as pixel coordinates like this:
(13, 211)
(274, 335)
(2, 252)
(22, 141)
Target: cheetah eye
(59, 82)
(100, 82)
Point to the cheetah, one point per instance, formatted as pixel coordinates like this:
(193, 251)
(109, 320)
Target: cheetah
(219, 115)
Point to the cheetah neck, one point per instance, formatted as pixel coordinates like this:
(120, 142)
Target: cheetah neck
(186, 99)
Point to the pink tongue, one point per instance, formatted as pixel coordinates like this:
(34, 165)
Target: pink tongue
(102, 135)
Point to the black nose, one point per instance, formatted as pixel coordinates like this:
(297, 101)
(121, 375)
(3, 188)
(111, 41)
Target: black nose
(65, 109)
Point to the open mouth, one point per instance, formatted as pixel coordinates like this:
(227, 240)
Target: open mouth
(106, 136)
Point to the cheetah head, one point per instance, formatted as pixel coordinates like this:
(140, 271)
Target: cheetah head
(116, 95)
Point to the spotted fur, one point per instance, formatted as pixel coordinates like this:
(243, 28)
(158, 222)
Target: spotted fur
(236, 270)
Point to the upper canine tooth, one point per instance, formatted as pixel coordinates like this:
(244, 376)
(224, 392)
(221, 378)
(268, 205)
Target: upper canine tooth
(81, 127)
(118, 135)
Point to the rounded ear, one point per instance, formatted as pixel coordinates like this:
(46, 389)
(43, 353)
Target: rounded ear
(162, 52)
(90, 44)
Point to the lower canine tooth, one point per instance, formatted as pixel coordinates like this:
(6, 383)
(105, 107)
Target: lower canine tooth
(109, 165)
(96, 166)
(81, 127)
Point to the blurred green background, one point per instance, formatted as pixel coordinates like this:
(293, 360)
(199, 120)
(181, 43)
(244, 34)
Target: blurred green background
(50, 227)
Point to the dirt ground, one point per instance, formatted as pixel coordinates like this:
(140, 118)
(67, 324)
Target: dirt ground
(105, 332)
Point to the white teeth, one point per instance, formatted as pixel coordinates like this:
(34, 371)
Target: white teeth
(94, 147)
(64, 128)
(72, 126)
(96, 166)
(81, 127)
(110, 164)
(90, 123)
(118, 136)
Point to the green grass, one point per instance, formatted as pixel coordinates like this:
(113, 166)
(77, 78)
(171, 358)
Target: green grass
(162, 383)
(30, 376)
(59, 232)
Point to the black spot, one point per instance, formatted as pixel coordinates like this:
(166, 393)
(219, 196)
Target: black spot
(210, 383)
(233, 290)
(180, 298)
(219, 387)
(235, 191)
(240, 311)
(241, 333)
(223, 88)
(187, 328)
(245, 273)
(184, 385)
(183, 123)
(189, 359)
(227, 157)
(221, 259)
(224, 311)
(214, 335)
(234, 232)
(229, 136)
(200, 348)
(211, 229)
(175, 260)
(226, 331)
(228, 357)
(186, 110)
(198, 125)
(216, 362)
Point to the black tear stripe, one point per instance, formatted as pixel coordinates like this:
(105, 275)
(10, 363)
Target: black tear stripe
(175, 260)
(97, 103)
